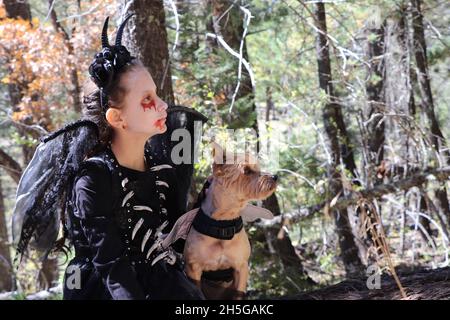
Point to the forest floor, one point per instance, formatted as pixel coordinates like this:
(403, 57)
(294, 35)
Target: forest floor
(418, 284)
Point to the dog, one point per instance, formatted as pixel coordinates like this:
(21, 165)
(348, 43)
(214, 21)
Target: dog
(214, 233)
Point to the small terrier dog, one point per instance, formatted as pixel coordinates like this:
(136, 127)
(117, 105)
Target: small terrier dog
(217, 239)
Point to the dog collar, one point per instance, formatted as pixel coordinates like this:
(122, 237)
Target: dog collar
(219, 229)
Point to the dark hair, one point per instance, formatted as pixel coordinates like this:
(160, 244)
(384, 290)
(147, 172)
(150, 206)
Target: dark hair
(92, 109)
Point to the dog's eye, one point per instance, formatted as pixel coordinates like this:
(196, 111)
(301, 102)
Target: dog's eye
(247, 171)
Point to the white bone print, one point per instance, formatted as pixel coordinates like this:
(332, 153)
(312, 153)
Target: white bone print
(159, 257)
(146, 237)
(162, 183)
(136, 228)
(160, 167)
(127, 197)
(157, 244)
(140, 208)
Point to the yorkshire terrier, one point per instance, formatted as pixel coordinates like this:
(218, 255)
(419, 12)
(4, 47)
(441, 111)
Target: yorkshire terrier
(217, 240)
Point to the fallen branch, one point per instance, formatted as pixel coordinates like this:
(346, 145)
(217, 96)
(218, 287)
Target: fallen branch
(377, 192)
(419, 285)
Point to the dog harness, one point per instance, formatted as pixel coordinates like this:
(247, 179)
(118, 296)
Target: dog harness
(219, 229)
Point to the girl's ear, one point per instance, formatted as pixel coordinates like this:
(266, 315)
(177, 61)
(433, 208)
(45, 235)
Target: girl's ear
(114, 118)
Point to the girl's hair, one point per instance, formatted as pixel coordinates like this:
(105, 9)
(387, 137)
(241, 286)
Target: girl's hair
(92, 109)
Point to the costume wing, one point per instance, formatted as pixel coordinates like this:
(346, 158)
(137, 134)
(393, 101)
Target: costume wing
(40, 196)
(161, 146)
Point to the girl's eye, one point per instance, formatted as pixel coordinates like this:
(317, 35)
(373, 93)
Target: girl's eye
(148, 103)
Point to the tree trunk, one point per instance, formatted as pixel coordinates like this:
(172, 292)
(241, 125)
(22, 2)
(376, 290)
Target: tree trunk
(6, 275)
(75, 92)
(282, 244)
(423, 76)
(17, 9)
(48, 275)
(229, 24)
(146, 37)
(336, 132)
(375, 96)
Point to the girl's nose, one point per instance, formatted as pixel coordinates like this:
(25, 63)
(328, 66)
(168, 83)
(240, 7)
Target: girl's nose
(162, 106)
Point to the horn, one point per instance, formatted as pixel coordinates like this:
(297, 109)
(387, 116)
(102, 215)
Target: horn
(120, 31)
(105, 43)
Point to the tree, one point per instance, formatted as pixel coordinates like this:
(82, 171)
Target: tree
(228, 22)
(146, 37)
(427, 105)
(337, 135)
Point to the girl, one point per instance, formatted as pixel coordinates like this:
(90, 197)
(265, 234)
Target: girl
(114, 228)
(119, 189)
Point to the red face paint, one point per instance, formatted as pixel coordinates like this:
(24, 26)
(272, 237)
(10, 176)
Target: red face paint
(149, 105)
(160, 123)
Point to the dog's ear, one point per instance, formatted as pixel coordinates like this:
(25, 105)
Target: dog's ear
(218, 156)
(218, 153)
(217, 169)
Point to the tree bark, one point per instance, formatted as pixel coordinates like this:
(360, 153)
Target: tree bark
(17, 9)
(336, 133)
(423, 76)
(375, 94)
(146, 37)
(76, 91)
(229, 24)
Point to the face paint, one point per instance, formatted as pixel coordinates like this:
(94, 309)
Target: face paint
(160, 123)
(149, 105)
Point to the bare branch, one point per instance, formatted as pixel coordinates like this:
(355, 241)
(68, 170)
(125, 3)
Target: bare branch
(11, 166)
(377, 192)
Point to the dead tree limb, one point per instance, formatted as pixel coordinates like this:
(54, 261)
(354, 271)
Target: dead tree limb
(377, 192)
(11, 166)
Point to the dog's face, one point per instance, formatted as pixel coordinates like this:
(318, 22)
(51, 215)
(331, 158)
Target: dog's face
(240, 175)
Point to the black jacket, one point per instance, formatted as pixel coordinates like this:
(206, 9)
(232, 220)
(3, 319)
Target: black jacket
(117, 213)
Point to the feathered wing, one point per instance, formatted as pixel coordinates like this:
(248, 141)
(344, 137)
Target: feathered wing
(161, 146)
(42, 189)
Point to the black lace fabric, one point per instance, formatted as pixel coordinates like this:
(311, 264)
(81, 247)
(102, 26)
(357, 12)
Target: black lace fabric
(42, 189)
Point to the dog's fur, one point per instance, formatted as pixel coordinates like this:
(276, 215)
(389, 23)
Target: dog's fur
(232, 187)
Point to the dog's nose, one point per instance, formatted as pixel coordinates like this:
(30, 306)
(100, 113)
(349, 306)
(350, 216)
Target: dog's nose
(274, 177)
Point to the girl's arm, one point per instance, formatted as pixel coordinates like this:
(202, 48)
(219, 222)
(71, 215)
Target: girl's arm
(92, 207)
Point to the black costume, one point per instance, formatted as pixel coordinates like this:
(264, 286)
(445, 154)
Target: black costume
(116, 238)
(114, 217)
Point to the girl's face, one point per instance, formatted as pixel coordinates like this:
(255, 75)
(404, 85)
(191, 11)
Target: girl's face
(142, 111)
